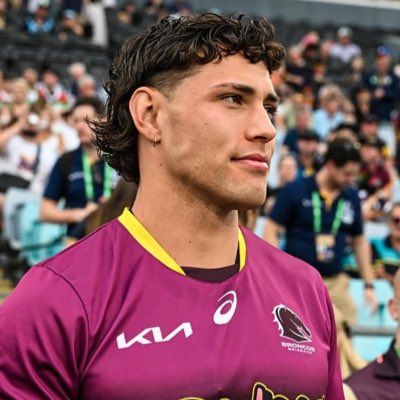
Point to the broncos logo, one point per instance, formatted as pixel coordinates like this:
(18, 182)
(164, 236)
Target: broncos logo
(290, 325)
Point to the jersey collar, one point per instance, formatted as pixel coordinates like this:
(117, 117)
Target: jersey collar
(147, 241)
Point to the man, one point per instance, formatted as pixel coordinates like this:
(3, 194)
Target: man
(172, 300)
(386, 251)
(381, 378)
(79, 176)
(308, 157)
(344, 49)
(317, 214)
(383, 84)
(302, 121)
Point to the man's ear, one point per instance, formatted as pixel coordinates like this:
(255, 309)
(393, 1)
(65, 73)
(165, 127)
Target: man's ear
(143, 107)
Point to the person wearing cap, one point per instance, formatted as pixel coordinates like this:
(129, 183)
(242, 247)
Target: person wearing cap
(317, 214)
(344, 49)
(383, 84)
(381, 378)
(40, 22)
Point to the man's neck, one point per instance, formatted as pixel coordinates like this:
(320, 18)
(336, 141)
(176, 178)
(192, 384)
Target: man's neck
(91, 151)
(192, 232)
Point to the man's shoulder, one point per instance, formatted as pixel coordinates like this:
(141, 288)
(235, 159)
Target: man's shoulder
(87, 257)
(351, 194)
(282, 264)
(301, 185)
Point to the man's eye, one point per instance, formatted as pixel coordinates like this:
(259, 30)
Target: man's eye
(271, 111)
(233, 98)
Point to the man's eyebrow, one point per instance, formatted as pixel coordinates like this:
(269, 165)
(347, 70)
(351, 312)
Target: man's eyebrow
(245, 89)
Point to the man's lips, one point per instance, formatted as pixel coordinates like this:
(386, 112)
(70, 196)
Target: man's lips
(257, 161)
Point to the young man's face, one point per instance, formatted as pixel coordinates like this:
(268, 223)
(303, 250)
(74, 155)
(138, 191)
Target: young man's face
(217, 134)
(343, 177)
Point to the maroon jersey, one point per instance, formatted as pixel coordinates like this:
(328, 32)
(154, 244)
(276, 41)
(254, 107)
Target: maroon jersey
(114, 317)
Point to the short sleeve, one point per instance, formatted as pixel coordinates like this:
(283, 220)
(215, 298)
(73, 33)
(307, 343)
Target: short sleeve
(43, 338)
(54, 189)
(283, 207)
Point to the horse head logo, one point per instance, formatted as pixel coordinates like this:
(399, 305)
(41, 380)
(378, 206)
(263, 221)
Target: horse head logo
(290, 325)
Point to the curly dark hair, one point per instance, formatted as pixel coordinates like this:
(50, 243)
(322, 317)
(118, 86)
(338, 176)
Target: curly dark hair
(161, 57)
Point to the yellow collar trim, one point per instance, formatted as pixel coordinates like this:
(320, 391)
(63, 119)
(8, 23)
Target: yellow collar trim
(146, 240)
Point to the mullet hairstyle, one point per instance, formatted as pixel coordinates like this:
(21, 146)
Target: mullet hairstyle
(163, 55)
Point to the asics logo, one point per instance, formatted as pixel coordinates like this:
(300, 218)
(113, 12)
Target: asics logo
(227, 309)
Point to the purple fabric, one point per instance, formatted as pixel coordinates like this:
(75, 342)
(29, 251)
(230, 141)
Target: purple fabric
(178, 337)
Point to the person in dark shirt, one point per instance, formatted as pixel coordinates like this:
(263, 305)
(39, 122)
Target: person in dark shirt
(383, 84)
(381, 378)
(79, 177)
(302, 124)
(317, 214)
(386, 250)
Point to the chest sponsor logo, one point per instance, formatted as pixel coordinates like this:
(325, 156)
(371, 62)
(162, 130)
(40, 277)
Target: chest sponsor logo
(154, 335)
(227, 309)
(293, 328)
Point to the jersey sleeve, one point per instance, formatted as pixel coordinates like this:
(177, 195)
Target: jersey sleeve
(335, 385)
(43, 338)
(54, 189)
(283, 207)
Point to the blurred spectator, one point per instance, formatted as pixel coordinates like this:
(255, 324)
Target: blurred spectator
(386, 250)
(71, 26)
(308, 159)
(76, 70)
(345, 131)
(288, 172)
(122, 196)
(381, 378)
(39, 22)
(31, 77)
(328, 115)
(62, 125)
(50, 87)
(30, 149)
(355, 78)
(317, 214)
(383, 84)
(87, 87)
(344, 49)
(298, 74)
(19, 95)
(79, 177)
(7, 18)
(362, 102)
(130, 14)
(369, 127)
(375, 182)
(311, 44)
(303, 122)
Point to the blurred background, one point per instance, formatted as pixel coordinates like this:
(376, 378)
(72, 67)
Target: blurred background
(341, 78)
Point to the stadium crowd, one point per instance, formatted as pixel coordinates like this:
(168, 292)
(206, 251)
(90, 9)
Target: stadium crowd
(328, 90)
